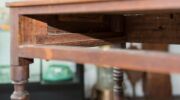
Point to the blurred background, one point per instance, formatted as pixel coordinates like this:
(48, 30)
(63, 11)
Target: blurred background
(71, 81)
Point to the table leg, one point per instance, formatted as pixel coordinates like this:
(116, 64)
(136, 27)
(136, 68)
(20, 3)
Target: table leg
(118, 79)
(118, 87)
(80, 74)
(19, 76)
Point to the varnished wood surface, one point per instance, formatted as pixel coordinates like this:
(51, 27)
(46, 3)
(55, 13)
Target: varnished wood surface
(125, 59)
(47, 2)
(155, 28)
(120, 6)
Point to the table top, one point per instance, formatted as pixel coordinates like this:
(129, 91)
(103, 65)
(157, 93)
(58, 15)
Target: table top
(48, 2)
(100, 5)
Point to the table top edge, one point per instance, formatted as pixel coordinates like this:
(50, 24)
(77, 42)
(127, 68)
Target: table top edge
(49, 2)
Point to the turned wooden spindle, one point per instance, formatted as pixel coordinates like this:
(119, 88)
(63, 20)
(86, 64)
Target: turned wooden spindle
(118, 77)
(118, 84)
(19, 76)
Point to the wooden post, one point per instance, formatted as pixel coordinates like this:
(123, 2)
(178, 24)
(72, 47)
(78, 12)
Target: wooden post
(118, 87)
(80, 74)
(19, 76)
(154, 80)
(118, 80)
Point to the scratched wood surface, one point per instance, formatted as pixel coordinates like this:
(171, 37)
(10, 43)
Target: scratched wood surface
(30, 28)
(155, 28)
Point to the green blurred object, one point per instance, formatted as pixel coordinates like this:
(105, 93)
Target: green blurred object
(5, 74)
(57, 73)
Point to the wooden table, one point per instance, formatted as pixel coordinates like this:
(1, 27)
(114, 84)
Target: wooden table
(66, 29)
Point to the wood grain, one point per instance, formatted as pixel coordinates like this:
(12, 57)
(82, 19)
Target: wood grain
(155, 28)
(125, 59)
(49, 2)
(114, 6)
(30, 28)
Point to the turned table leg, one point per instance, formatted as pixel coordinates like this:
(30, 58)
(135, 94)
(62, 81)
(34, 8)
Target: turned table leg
(118, 77)
(19, 76)
(118, 86)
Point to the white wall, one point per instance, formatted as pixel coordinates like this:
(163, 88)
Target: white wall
(4, 48)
